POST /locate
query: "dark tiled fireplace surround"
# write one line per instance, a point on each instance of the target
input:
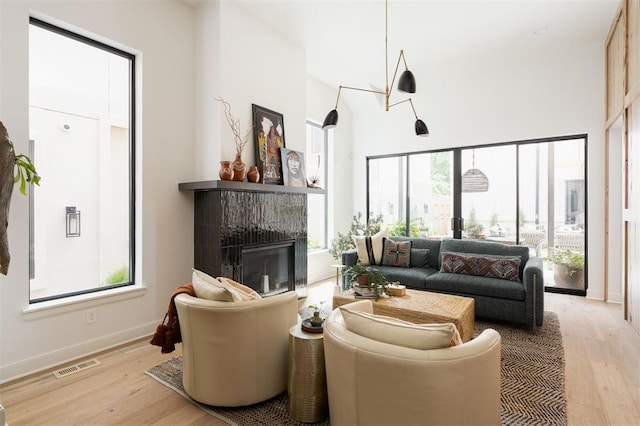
(255, 234)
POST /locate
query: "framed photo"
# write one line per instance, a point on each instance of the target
(268, 135)
(293, 172)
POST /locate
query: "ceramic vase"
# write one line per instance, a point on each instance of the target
(239, 169)
(316, 320)
(226, 172)
(253, 175)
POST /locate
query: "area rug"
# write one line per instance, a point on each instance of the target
(532, 381)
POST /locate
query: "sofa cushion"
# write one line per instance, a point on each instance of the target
(370, 247)
(396, 253)
(425, 243)
(491, 266)
(402, 333)
(419, 258)
(410, 277)
(487, 247)
(471, 285)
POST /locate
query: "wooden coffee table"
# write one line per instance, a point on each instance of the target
(422, 307)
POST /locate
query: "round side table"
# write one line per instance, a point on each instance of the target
(307, 384)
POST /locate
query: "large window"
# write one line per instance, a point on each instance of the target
(316, 167)
(81, 98)
(532, 193)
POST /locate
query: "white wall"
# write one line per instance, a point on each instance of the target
(32, 341)
(186, 57)
(512, 96)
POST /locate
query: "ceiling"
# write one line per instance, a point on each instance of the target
(344, 39)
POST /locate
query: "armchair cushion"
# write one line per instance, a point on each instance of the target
(221, 289)
(401, 333)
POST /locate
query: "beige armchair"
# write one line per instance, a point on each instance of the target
(235, 353)
(375, 383)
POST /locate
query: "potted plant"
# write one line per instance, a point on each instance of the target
(568, 267)
(316, 320)
(366, 280)
(25, 172)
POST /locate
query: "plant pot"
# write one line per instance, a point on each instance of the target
(563, 277)
(315, 320)
(363, 280)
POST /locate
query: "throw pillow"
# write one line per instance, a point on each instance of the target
(396, 253)
(246, 293)
(207, 287)
(221, 289)
(370, 247)
(401, 333)
(492, 266)
(419, 258)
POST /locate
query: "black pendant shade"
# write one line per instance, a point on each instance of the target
(330, 120)
(421, 128)
(407, 82)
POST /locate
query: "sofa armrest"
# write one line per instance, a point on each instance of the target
(533, 281)
(350, 257)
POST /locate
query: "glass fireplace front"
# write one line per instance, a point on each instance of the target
(269, 268)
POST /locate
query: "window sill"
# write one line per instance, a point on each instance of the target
(71, 304)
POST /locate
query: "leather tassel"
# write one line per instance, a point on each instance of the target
(168, 345)
(158, 337)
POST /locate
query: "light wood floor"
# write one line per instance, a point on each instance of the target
(602, 377)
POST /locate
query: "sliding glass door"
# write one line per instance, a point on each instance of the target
(531, 193)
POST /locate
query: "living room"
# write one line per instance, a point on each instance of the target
(192, 52)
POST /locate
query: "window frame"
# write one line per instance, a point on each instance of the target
(325, 170)
(131, 58)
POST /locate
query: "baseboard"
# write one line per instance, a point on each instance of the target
(68, 354)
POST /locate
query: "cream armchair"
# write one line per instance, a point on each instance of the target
(375, 383)
(235, 353)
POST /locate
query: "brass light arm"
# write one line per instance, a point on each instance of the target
(401, 56)
(358, 89)
(406, 100)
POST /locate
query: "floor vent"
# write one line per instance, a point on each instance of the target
(64, 372)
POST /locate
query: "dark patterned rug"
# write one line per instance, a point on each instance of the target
(532, 381)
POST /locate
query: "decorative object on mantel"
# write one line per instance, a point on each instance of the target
(253, 175)
(293, 173)
(239, 167)
(268, 135)
(226, 171)
(25, 173)
(406, 83)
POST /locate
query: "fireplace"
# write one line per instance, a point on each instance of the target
(245, 231)
(269, 268)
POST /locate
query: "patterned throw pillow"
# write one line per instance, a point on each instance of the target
(370, 247)
(502, 267)
(396, 253)
(419, 258)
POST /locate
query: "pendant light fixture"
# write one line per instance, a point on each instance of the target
(473, 180)
(406, 83)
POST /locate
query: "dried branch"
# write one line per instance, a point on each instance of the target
(235, 127)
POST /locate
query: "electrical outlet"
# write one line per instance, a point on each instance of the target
(91, 315)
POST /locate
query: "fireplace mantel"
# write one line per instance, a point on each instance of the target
(212, 185)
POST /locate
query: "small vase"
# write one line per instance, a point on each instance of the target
(239, 169)
(226, 172)
(315, 320)
(253, 175)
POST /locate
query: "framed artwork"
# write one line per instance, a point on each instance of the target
(268, 135)
(293, 172)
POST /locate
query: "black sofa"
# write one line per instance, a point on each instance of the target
(519, 302)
